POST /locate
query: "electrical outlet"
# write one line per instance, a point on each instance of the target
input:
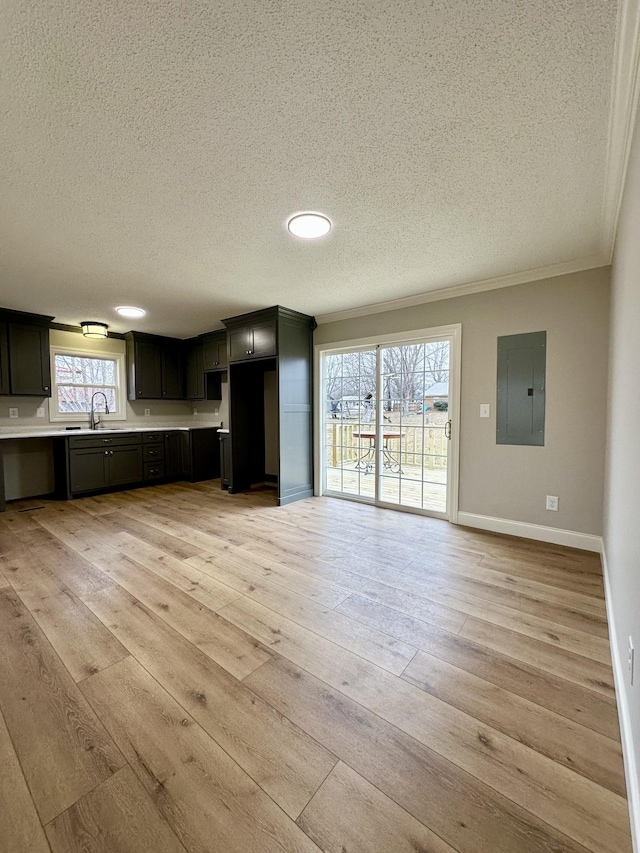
(552, 503)
(632, 660)
(216, 411)
(13, 413)
(195, 410)
(40, 412)
(485, 410)
(147, 412)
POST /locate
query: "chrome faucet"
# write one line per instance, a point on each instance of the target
(93, 423)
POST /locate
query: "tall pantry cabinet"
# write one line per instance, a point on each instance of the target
(270, 401)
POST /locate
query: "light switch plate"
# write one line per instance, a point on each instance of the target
(13, 413)
(40, 412)
(485, 410)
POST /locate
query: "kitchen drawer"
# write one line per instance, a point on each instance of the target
(78, 441)
(153, 437)
(153, 471)
(153, 452)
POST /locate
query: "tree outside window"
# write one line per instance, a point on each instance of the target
(78, 376)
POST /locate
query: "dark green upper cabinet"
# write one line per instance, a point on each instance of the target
(194, 374)
(154, 367)
(215, 351)
(172, 370)
(206, 361)
(252, 336)
(146, 371)
(25, 364)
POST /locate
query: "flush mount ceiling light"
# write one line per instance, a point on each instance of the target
(309, 225)
(130, 311)
(91, 329)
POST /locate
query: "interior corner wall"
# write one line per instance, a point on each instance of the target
(508, 481)
(622, 478)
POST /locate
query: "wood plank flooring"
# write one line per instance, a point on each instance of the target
(186, 670)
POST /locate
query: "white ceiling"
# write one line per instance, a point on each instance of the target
(152, 151)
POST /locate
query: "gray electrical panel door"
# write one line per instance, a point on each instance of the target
(521, 388)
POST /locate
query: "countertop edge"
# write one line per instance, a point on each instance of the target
(62, 433)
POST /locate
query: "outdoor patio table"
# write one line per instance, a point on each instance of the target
(365, 461)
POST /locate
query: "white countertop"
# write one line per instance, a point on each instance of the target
(55, 432)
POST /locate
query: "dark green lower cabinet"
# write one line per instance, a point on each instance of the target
(173, 442)
(125, 465)
(201, 460)
(225, 461)
(91, 468)
(88, 469)
(102, 461)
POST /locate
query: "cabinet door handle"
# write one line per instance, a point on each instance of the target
(45, 388)
(106, 453)
(111, 452)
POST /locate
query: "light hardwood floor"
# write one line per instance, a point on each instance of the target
(187, 670)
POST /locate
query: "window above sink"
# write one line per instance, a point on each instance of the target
(77, 375)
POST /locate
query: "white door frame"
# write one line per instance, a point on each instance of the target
(454, 332)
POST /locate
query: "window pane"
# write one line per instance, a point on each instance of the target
(84, 370)
(74, 399)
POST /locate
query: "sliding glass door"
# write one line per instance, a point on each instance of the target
(413, 395)
(387, 423)
(350, 423)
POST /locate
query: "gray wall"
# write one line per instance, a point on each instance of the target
(622, 487)
(507, 481)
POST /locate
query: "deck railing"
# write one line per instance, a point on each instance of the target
(420, 445)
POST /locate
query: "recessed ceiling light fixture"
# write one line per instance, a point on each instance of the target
(91, 329)
(130, 311)
(309, 225)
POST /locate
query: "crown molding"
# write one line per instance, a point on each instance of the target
(523, 277)
(625, 87)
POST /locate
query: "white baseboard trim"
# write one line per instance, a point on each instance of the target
(555, 535)
(619, 677)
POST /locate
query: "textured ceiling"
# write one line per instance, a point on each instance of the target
(152, 151)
